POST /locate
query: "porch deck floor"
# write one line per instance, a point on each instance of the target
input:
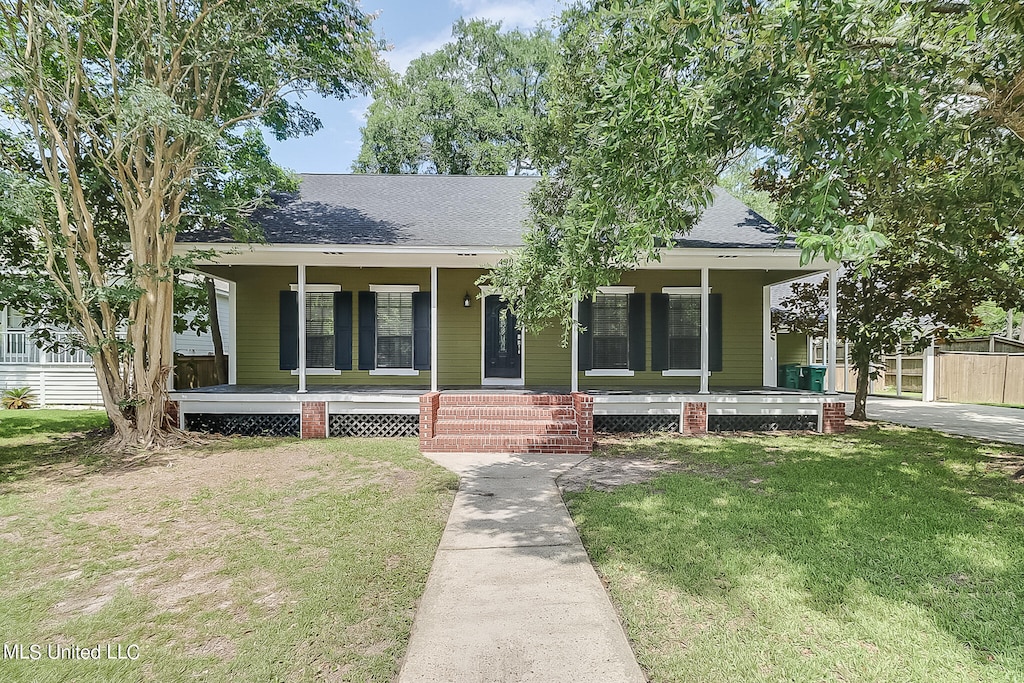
(397, 390)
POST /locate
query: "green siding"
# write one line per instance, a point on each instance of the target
(742, 300)
(257, 324)
(548, 363)
(792, 348)
(459, 329)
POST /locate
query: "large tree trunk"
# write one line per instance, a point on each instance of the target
(860, 400)
(219, 369)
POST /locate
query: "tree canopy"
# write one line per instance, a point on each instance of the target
(128, 119)
(469, 108)
(875, 124)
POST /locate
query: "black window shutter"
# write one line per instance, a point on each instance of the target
(343, 330)
(637, 332)
(715, 333)
(586, 340)
(288, 335)
(659, 331)
(421, 330)
(367, 330)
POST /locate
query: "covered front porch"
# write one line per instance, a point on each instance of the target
(346, 410)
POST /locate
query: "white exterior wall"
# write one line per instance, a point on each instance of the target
(70, 384)
(60, 385)
(193, 344)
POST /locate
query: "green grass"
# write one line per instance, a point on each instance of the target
(273, 560)
(42, 422)
(880, 555)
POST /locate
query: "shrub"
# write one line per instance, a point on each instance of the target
(18, 398)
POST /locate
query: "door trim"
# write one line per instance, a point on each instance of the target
(498, 381)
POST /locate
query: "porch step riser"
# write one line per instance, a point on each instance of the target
(506, 423)
(520, 400)
(506, 413)
(502, 427)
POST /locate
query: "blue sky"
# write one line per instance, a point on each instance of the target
(412, 28)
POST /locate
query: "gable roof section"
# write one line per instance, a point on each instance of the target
(450, 211)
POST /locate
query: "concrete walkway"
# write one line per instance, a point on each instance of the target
(512, 595)
(983, 422)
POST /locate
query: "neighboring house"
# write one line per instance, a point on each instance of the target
(386, 270)
(56, 378)
(67, 377)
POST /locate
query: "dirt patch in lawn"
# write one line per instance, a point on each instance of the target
(161, 514)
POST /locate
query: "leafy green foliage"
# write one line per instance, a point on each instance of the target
(18, 398)
(874, 124)
(134, 121)
(470, 108)
(899, 300)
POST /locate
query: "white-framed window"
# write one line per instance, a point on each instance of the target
(394, 330)
(320, 333)
(320, 330)
(684, 331)
(394, 348)
(610, 331)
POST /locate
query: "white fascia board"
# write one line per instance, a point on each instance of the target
(481, 257)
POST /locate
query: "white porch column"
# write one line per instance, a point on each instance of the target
(433, 328)
(899, 370)
(302, 328)
(769, 374)
(574, 381)
(928, 381)
(705, 330)
(846, 365)
(232, 332)
(832, 324)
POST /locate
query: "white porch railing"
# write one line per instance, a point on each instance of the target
(17, 347)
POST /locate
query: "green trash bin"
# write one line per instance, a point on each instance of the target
(789, 375)
(812, 378)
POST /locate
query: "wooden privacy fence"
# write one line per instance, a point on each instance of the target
(192, 372)
(980, 377)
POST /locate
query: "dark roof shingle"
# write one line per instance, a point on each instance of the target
(449, 211)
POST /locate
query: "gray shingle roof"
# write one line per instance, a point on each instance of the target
(457, 211)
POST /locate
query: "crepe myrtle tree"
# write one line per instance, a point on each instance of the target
(130, 111)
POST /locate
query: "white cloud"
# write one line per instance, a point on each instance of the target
(400, 57)
(511, 14)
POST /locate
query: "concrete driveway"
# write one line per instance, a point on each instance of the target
(983, 422)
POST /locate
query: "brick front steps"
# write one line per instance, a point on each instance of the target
(506, 423)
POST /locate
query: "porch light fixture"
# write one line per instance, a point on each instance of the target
(467, 301)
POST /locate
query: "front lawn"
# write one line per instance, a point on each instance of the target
(886, 554)
(252, 560)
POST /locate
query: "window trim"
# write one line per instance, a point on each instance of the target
(318, 289)
(395, 289)
(688, 372)
(617, 372)
(682, 290)
(612, 372)
(393, 372)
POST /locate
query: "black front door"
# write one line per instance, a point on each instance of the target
(502, 340)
